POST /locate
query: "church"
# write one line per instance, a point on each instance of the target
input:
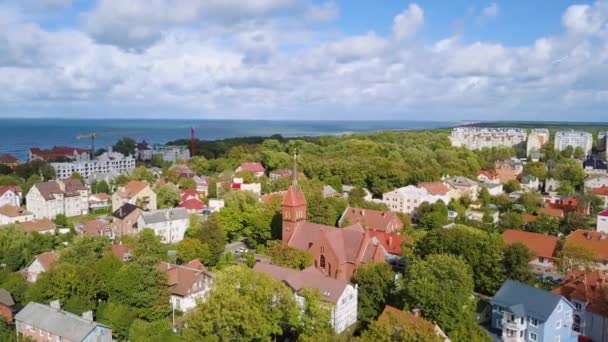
(337, 252)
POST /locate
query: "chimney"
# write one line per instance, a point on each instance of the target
(88, 315)
(390, 240)
(56, 305)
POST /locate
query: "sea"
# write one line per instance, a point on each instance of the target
(18, 135)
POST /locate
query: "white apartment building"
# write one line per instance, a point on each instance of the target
(582, 139)
(170, 153)
(602, 139)
(476, 138)
(169, 224)
(536, 139)
(109, 162)
(407, 199)
(189, 284)
(10, 195)
(48, 199)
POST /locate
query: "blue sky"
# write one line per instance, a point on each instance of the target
(315, 59)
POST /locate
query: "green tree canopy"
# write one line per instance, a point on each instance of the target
(376, 284)
(516, 263)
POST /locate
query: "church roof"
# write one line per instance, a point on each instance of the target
(294, 197)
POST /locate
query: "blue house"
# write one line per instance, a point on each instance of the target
(526, 314)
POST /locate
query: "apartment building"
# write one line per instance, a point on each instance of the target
(536, 139)
(581, 139)
(109, 162)
(60, 153)
(477, 138)
(48, 199)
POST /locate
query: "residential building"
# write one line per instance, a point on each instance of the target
(551, 212)
(587, 290)
(371, 219)
(107, 177)
(480, 216)
(602, 193)
(602, 222)
(594, 241)
(143, 151)
(168, 153)
(477, 138)
(10, 214)
(9, 160)
(552, 185)
(575, 139)
(602, 141)
(125, 218)
(526, 313)
(169, 224)
(7, 306)
(392, 242)
(594, 166)
(438, 190)
(42, 226)
(138, 193)
(122, 252)
(192, 201)
(188, 283)
(508, 170)
(596, 181)
(462, 187)
(238, 184)
(339, 294)
(107, 162)
(408, 199)
(346, 189)
(278, 174)
(44, 323)
(543, 247)
(329, 191)
(486, 176)
(530, 183)
(202, 184)
(216, 204)
(536, 140)
(493, 188)
(42, 263)
(97, 227)
(48, 199)
(99, 201)
(60, 153)
(10, 195)
(256, 168)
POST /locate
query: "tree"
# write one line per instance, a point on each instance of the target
(569, 170)
(141, 173)
(485, 197)
(121, 180)
(511, 220)
(516, 262)
(192, 249)
(186, 183)
(536, 169)
(531, 201)
(61, 220)
(157, 331)
(432, 216)
(167, 196)
(512, 186)
(375, 283)
(315, 321)
(76, 175)
(243, 305)
(400, 326)
(287, 256)
(573, 221)
(147, 244)
(117, 316)
(543, 224)
(574, 256)
(567, 152)
(441, 286)
(126, 146)
(579, 153)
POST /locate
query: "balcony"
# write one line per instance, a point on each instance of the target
(515, 325)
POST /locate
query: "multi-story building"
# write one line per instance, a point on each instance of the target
(408, 199)
(462, 187)
(11, 214)
(188, 283)
(138, 193)
(596, 242)
(48, 199)
(256, 168)
(508, 170)
(60, 153)
(124, 219)
(602, 141)
(586, 290)
(536, 139)
(44, 323)
(341, 295)
(169, 153)
(169, 224)
(602, 222)
(109, 162)
(10, 195)
(477, 138)
(371, 219)
(9, 160)
(543, 247)
(581, 139)
(528, 314)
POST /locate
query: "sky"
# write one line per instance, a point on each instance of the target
(305, 59)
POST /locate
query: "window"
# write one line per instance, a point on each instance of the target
(533, 322)
(576, 326)
(532, 337)
(541, 260)
(578, 306)
(559, 307)
(322, 262)
(558, 324)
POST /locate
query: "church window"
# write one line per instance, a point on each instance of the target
(322, 262)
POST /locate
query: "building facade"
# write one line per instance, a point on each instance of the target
(169, 224)
(408, 199)
(10, 195)
(68, 197)
(167, 153)
(109, 162)
(543, 247)
(138, 193)
(60, 153)
(189, 283)
(581, 139)
(537, 138)
(477, 138)
(10, 214)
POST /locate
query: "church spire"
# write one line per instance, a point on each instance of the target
(294, 172)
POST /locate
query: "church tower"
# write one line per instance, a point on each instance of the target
(294, 205)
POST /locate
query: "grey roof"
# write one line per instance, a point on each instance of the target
(124, 211)
(58, 322)
(489, 185)
(164, 215)
(6, 298)
(525, 300)
(461, 181)
(48, 189)
(328, 190)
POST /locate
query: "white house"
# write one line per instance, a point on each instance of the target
(42, 263)
(188, 284)
(339, 295)
(169, 224)
(216, 204)
(530, 183)
(475, 215)
(105, 163)
(494, 189)
(462, 187)
(408, 199)
(602, 222)
(10, 195)
(48, 199)
(11, 214)
(596, 182)
(239, 184)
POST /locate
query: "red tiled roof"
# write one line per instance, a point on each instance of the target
(94, 227)
(541, 245)
(5, 188)
(47, 259)
(487, 173)
(587, 286)
(601, 191)
(101, 197)
(252, 167)
(190, 194)
(120, 251)
(192, 204)
(12, 211)
(57, 152)
(595, 241)
(181, 278)
(603, 213)
(41, 225)
(373, 219)
(527, 218)
(8, 159)
(294, 197)
(435, 188)
(551, 212)
(391, 242)
(132, 188)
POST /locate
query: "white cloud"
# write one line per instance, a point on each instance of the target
(490, 11)
(408, 22)
(587, 19)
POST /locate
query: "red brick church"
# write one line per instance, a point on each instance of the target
(337, 252)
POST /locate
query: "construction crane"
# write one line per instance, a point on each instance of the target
(91, 136)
